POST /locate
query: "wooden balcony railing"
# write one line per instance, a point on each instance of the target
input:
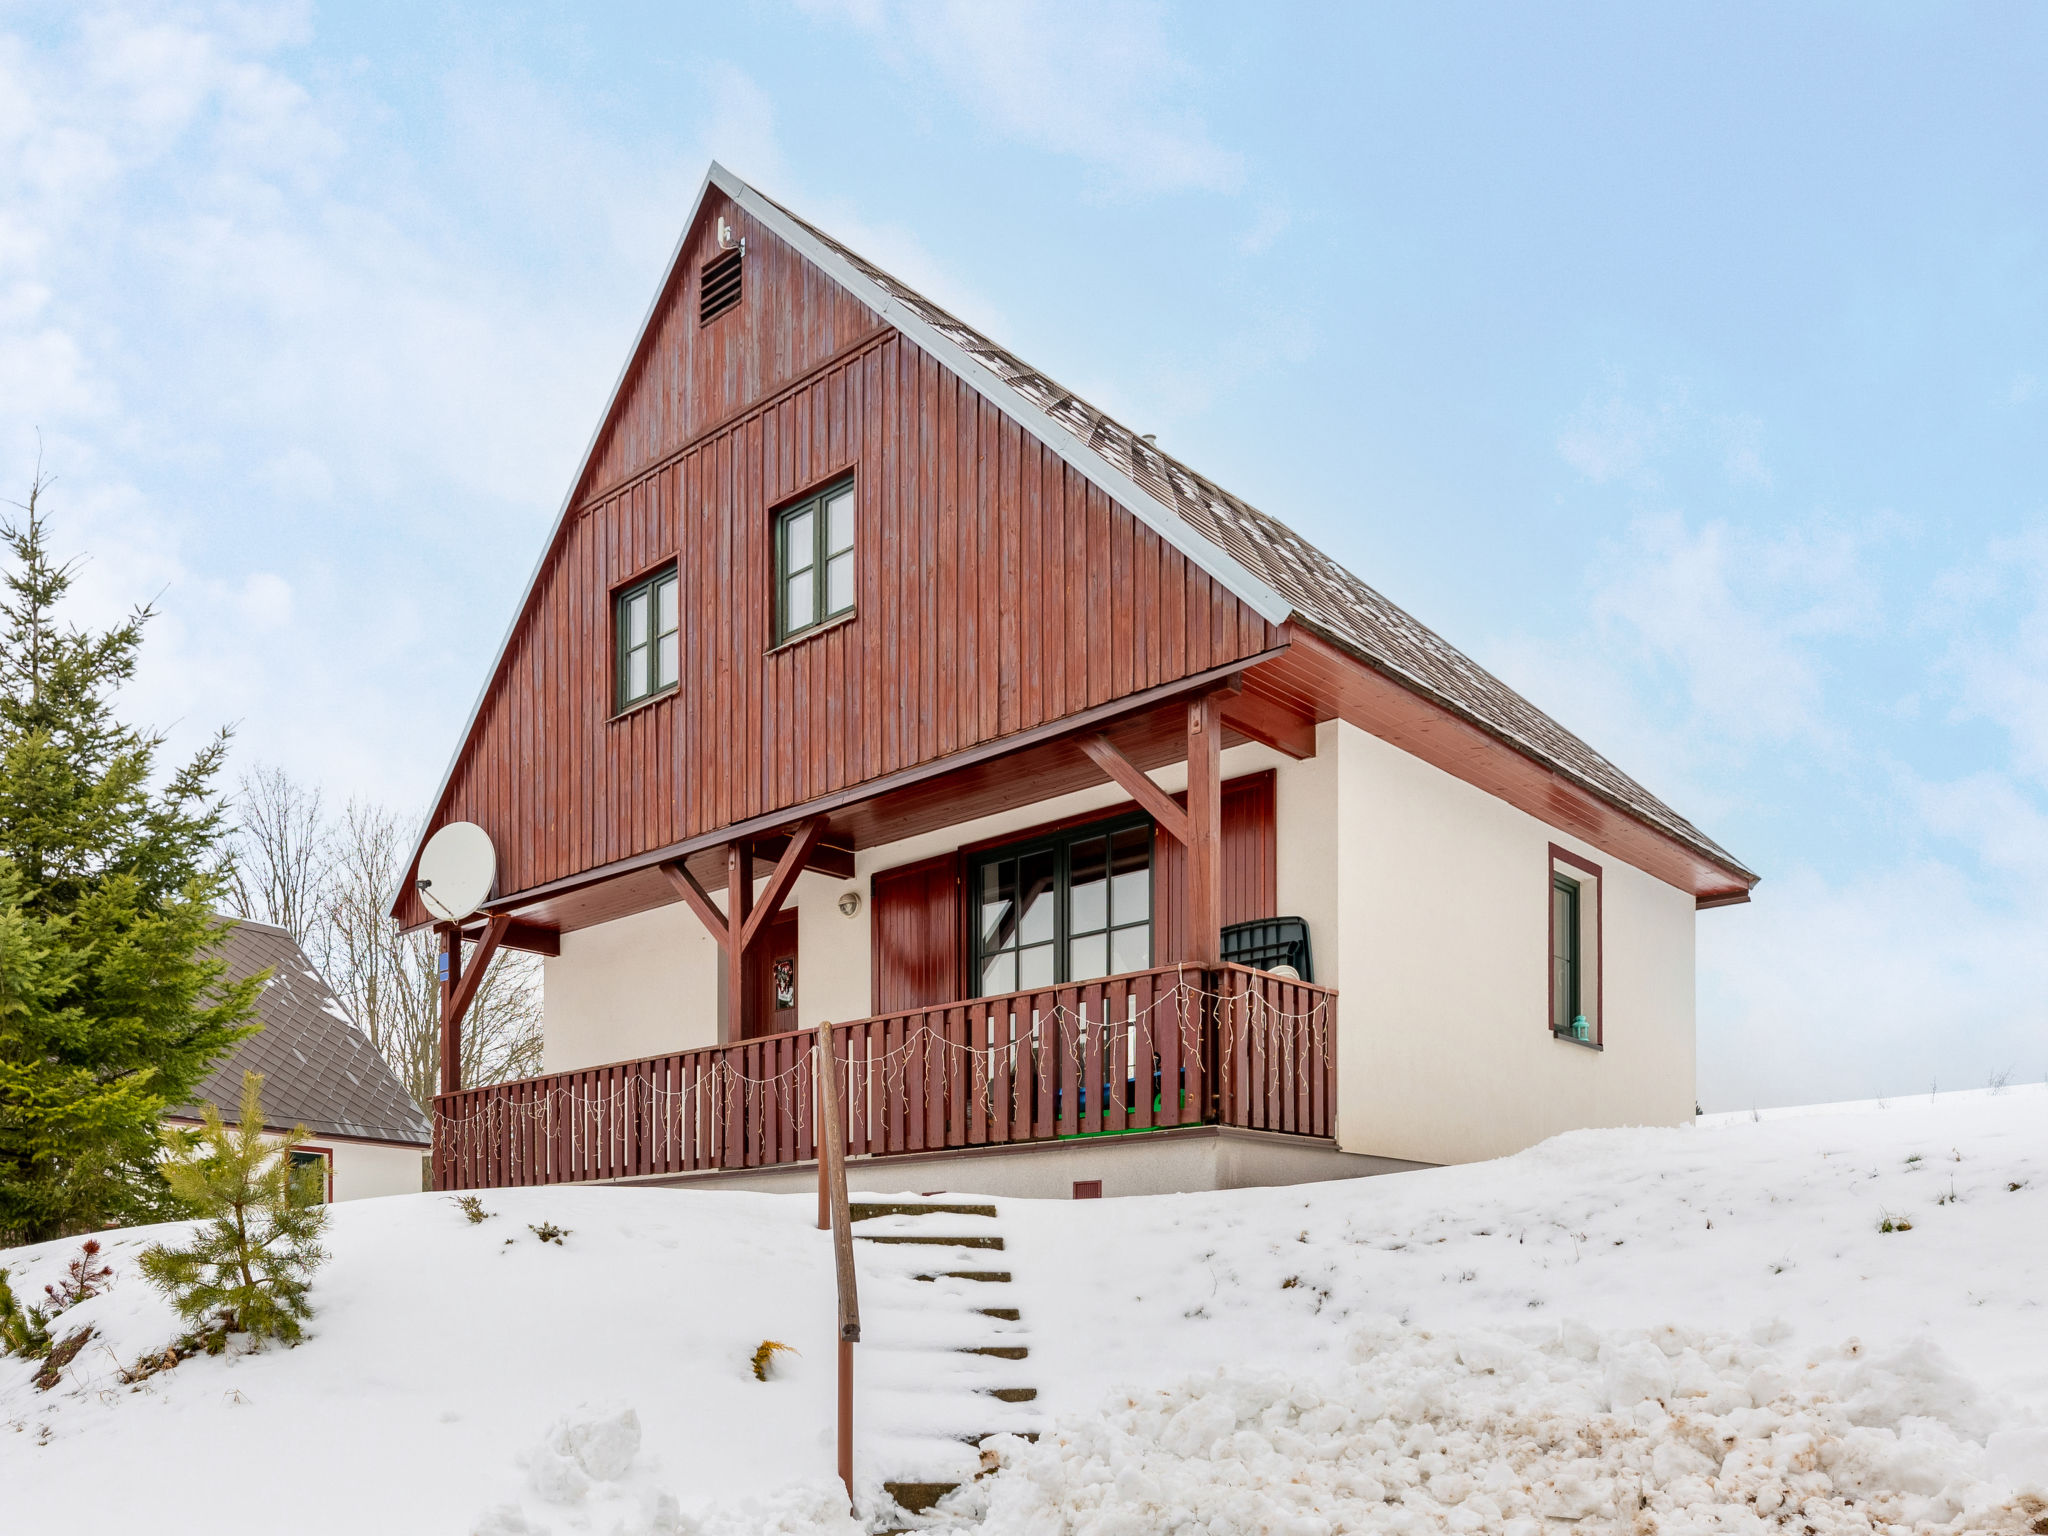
(1180, 1045)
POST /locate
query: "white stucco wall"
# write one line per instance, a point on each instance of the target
(1443, 913)
(638, 986)
(1428, 907)
(364, 1169)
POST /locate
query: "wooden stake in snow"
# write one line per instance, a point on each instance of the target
(832, 1204)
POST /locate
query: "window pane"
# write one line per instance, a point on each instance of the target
(797, 606)
(636, 672)
(999, 973)
(1035, 881)
(665, 661)
(1131, 876)
(799, 542)
(998, 903)
(840, 532)
(839, 584)
(1130, 949)
(666, 596)
(636, 619)
(1088, 901)
(1034, 967)
(1088, 957)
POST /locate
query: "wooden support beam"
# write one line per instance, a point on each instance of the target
(451, 1022)
(742, 996)
(459, 990)
(699, 899)
(1264, 718)
(825, 859)
(792, 863)
(1153, 800)
(1204, 839)
(534, 938)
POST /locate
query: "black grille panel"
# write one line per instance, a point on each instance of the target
(719, 287)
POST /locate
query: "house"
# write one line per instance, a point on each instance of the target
(1130, 842)
(319, 1071)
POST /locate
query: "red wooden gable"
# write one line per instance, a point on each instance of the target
(998, 590)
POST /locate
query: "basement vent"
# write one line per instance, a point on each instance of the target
(719, 287)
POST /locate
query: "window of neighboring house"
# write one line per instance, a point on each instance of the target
(645, 620)
(1066, 908)
(1574, 948)
(316, 1167)
(814, 561)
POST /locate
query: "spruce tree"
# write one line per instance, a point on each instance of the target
(112, 1002)
(249, 1268)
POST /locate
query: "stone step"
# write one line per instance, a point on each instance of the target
(867, 1210)
(995, 1276)
(935, 1242)
(916, 1498)
(1000, 1351)
(1013, 1394)
(1007, 1314)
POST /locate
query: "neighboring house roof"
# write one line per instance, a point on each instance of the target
(319, 1070)
(1260, 559)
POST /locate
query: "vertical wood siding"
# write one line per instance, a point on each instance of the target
(997, 590)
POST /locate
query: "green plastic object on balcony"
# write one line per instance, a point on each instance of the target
(1581, 1030)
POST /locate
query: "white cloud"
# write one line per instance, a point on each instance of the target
(1096, 81)
(1272, 221)
(1615, 438)
(1997, 618)
(1620, 437)
(1883, 984)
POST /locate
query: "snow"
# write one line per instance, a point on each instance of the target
(1673, 1330)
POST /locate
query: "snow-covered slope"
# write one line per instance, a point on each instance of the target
(1564, 1336)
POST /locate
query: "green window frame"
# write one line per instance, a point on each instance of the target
(1069, 907)
(1565, 904)
(814, 569)
(645, 622)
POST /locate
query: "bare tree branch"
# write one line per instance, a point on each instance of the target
(281, 856)
(330, 880)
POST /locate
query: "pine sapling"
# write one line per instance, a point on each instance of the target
(82, 1277)
(249, 1268)
(23, 1331)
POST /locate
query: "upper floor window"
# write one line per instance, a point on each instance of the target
(1066, 908)
(814, 561)
(645, 622)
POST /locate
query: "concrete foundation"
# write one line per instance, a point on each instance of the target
(1196, 1157)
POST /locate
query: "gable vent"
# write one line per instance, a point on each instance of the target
(718, 288)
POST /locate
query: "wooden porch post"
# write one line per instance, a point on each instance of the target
(1205, 830)
(743, 999)
(451, 1021)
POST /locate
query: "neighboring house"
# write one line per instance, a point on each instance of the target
(976, 697)
(319, 1071)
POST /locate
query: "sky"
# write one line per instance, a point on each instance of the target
(1685, 365)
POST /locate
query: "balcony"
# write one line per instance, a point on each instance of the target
(1174, 1046)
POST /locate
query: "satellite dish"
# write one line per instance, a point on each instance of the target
(458, 867)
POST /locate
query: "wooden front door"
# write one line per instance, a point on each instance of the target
(773, 955)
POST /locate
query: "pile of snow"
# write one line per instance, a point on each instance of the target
(587, 1474)
(1672, 1432)
(1618, 1331)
